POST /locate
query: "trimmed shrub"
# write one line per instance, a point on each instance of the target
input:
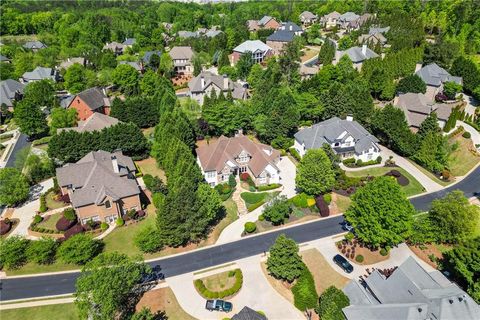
(76, 229)
(349, 162)
(383, 252)
(119, 222)
(200, 286)
(250, 227)
(261, 217)
(69, 214)
(331, 303)
(43, 203)
(304, 293)
(466, 135)
(63, 224)
(104, 226)
(349, 236)
(322, 206)
(5, 226)
(37, 219)
(154, 184)
(327, 197)
(244, 176)
(295, 154)
(359, 258)
(13, 252)
(300, 200)
(231, 181)
(252, 189)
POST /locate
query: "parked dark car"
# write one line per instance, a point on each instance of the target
(347, 226)
(218, 305)
(343, 263)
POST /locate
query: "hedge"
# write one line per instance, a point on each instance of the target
(43, 203)
(206, 293)
(41, 141)
(466, 135)
(250, 227)
(63, 224)
(295, 154)
(69, 214)
(304, 293)
(359, 258)
(327, 197)
(76, 229)
(269, 187)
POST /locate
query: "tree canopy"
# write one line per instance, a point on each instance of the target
(315, 173)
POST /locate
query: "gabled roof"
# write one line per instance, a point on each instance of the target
(307, 15)
(187, 34)
(65, 64)
(96, 122)
(8, 88)
(360, 21)
(434, 75)
(252, 46)
(417, 107)
(133, 64)
(348, 17)
(213, 33)
(281, 36)
(34, 45)
(93, 98)
(93, 178)
(129, 41)
(264, 20)
(40, 73)
(332, 15)
(409, 293)
(330, 131)
(195, 85)
(215, 156)
(375, 38)
(357, 54)
(181, 52)
(248, 314)
(290, 26)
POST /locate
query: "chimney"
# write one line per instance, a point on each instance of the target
(115, 164)
(349, 117)
(291, 27)
(364, 49)
(225, 82)
(202, 79)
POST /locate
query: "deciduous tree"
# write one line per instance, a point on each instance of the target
(13, 186)
(314, 172)
(284, 262)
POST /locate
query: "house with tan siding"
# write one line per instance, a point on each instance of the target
(101, 186)
(234, 156)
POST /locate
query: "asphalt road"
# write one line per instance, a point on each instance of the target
(30, 287)
(21, 143)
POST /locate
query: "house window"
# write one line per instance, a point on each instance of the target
(242, 169)
(243, 159)
(347, 144)
(211, 174)
(108, 205)
(369, 156)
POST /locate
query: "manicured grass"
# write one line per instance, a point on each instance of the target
(463, 159)
(309, 53)
(49, 222)
(219, 282)
(255, 199)
(413, 188)
(163, 300)
(52, 203)
(5, 137)
(342, 202)
(31, 268)
(66, 311)
(149, 166)
(324, 275)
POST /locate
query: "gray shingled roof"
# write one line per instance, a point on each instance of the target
(93, 97)
(348, 17)
(7, 91)
(307, 15)
(129, 41)
(374, 30)
(252, 46)
(148, 54)
(187, 34)
(181, 52)
(434, 75)
(248, 314)
(34, 45)
(264, 20)
(409, 293)
(281, 36)
(329, 131)
(417, 107)
(356, 54)
(290, 26)
(195, 85)
(96, 122)
(40, 73)
(94, 179)
(134, 64)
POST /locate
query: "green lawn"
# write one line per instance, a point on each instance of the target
(5, 137)
(51, 222)
(413, 188)
(149, 166)
(66, 311)
(31, 268)
(462, 160)
(343, 202)
(255, 199)
(430, 174)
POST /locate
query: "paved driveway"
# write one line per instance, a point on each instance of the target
(288, 172)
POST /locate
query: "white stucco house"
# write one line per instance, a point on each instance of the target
(346, 137)
(234, 156)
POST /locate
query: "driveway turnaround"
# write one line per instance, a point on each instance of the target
(55, 284)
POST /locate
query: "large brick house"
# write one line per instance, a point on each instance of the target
(89, 101)
(101, 186)
(226, 156)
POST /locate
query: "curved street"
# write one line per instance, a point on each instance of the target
(57, 284)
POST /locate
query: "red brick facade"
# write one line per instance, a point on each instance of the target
(83, 111)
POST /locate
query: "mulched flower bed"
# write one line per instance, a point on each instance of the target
(401, 179)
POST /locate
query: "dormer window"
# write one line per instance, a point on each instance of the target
(108, 205)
